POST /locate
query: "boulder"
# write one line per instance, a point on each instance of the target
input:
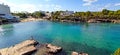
(115, 21)
(53, 49)
(83, 54)
(76, 53)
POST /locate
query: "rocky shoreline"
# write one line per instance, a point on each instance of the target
(23, 48)
(93, 21)
(103, 21)
(32, 47)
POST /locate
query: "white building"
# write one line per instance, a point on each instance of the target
(67, 13)
(48, 14)
(5, 12)
(43, 12)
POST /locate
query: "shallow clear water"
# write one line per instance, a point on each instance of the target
(94, 38)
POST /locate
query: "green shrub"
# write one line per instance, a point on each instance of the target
(117, 52)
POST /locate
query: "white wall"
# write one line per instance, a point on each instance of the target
(4, 9)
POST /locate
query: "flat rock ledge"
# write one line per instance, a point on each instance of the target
(76, 53)
(29, 47)
(48, 49)
(53, 49)
(24, 48)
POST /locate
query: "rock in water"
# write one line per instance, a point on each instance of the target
(48, 49)
(83, 54)
(76, 53)
(23, 48)
(53, 49)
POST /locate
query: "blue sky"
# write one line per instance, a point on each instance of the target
(53, 5)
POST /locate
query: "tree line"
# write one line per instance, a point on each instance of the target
(104, 14)
(36, 14)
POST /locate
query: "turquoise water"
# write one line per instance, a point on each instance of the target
(94, 38)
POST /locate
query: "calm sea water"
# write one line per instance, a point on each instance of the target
(94, 38)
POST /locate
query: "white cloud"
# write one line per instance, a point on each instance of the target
(25, 7)
(100, 8)
(117, 4)
(106, 6)
(31, 7)
(57, 7)
(47, 0)
(2, 1)
(89, 2)
(52, 7)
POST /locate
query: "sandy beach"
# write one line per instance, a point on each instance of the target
(31, 19)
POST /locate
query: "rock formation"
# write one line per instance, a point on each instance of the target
(76, 53)
(48, 49)
(29, 47)
(99, 21)
(53, 49)
(24, 48)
